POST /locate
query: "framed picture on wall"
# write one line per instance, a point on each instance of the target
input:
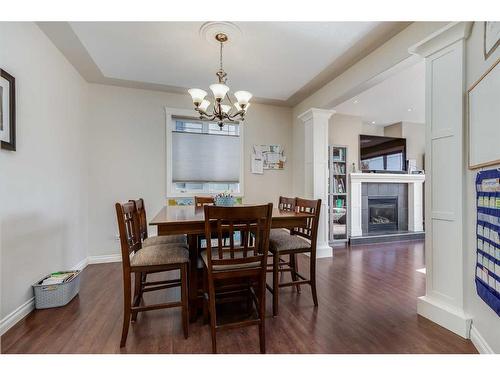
(7, 111)
(491, 37)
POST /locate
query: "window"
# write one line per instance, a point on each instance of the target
(203, 158)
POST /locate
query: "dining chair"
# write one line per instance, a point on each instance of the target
(301, 240)
(139, 260)
(202, 201)
(143, 228)
(247, 262)
(287, 204)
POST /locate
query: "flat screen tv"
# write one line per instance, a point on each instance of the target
(379, 154)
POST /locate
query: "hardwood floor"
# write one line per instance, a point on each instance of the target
(367, 304)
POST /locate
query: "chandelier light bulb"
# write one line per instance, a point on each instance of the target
(197, 95)
(225, 108)
(220, 90)
(204, 105)
(238, 106)
(243, 97)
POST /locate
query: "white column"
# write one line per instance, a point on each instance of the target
(415, 209)
(316, 169)
(356, 202)
(445, 244)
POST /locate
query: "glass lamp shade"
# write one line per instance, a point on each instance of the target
(225, 108)
(238, 106)
(243, 97)
(198, 95)
(204, 105)
(220, 90)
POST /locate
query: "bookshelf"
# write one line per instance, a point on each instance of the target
(337, 193)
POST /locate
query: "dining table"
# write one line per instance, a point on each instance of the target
(190, 220)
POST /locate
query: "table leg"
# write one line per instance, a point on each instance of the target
(193, 277)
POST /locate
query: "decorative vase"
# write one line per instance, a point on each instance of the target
(224, 201)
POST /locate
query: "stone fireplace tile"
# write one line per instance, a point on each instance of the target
(393, 189)
(364, 189)
(364, 202)
(383, 189)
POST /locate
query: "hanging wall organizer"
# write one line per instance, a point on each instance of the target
(488, 237)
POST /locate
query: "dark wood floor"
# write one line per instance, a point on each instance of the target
(367, 304)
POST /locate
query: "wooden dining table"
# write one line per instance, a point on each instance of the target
(190, 220)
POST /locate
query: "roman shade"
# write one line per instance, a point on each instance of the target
(198, 157)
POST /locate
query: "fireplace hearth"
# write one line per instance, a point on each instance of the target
(382, 214)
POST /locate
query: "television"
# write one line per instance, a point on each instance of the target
(382, 154)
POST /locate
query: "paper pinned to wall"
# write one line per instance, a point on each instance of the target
(267, 157)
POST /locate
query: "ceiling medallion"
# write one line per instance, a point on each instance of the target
(221, 109)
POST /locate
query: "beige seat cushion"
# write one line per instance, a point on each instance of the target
(160, 255)
(237, 254)
(282, 240)
(160, 240)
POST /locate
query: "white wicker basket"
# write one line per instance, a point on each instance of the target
(47, 296)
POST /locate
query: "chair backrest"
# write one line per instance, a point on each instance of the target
(254, 225)
(141, 216)
(310, 230)
(203, 201)
(286, 204)
(128, 226)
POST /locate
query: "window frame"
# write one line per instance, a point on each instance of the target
(169, 128)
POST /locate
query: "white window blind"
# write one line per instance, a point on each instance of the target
(199, 155)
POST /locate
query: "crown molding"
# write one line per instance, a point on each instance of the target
(442, 38)
(316, 114)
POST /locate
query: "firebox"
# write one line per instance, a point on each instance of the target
(382, 214)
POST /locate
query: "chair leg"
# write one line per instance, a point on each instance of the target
(205, 293)
(126, 308)
(276, 260)
(313, 279)
(184, 299)
(137, 293)
(295, 270)
(262, 315)
(213, 318)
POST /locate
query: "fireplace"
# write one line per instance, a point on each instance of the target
(382, 214)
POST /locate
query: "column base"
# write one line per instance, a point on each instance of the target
(324, 251)
(449, 317)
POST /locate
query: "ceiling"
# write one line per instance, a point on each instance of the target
(401, 97)
(276, 61)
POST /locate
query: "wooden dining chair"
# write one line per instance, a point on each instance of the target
(287, 204)
(300, 240)
(248, 262)
(139, 260)
(202, 201)
(143, 228)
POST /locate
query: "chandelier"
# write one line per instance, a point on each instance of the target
(222, 110)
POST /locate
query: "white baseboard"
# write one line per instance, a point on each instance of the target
(15, 316)
(10, 320)
(97, 259)
(446, 316)
(479, 341)
(325, 251)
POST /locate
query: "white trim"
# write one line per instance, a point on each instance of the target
(447, 316)
(15, 316)
(180, 112)
(442, 38)
(479, 341)
(387, 177)
(98, 259)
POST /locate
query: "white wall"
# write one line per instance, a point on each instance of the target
(484, 320)
(127, 128)
(43, 185)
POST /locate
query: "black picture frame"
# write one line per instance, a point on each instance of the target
(11, 144)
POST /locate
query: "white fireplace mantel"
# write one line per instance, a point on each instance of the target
(415, 198)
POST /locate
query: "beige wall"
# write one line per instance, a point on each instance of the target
(344, 130)
(483, 318)
(394, 130)
(127, 128)
(43, 185)
(414, 133)
(349, 84)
